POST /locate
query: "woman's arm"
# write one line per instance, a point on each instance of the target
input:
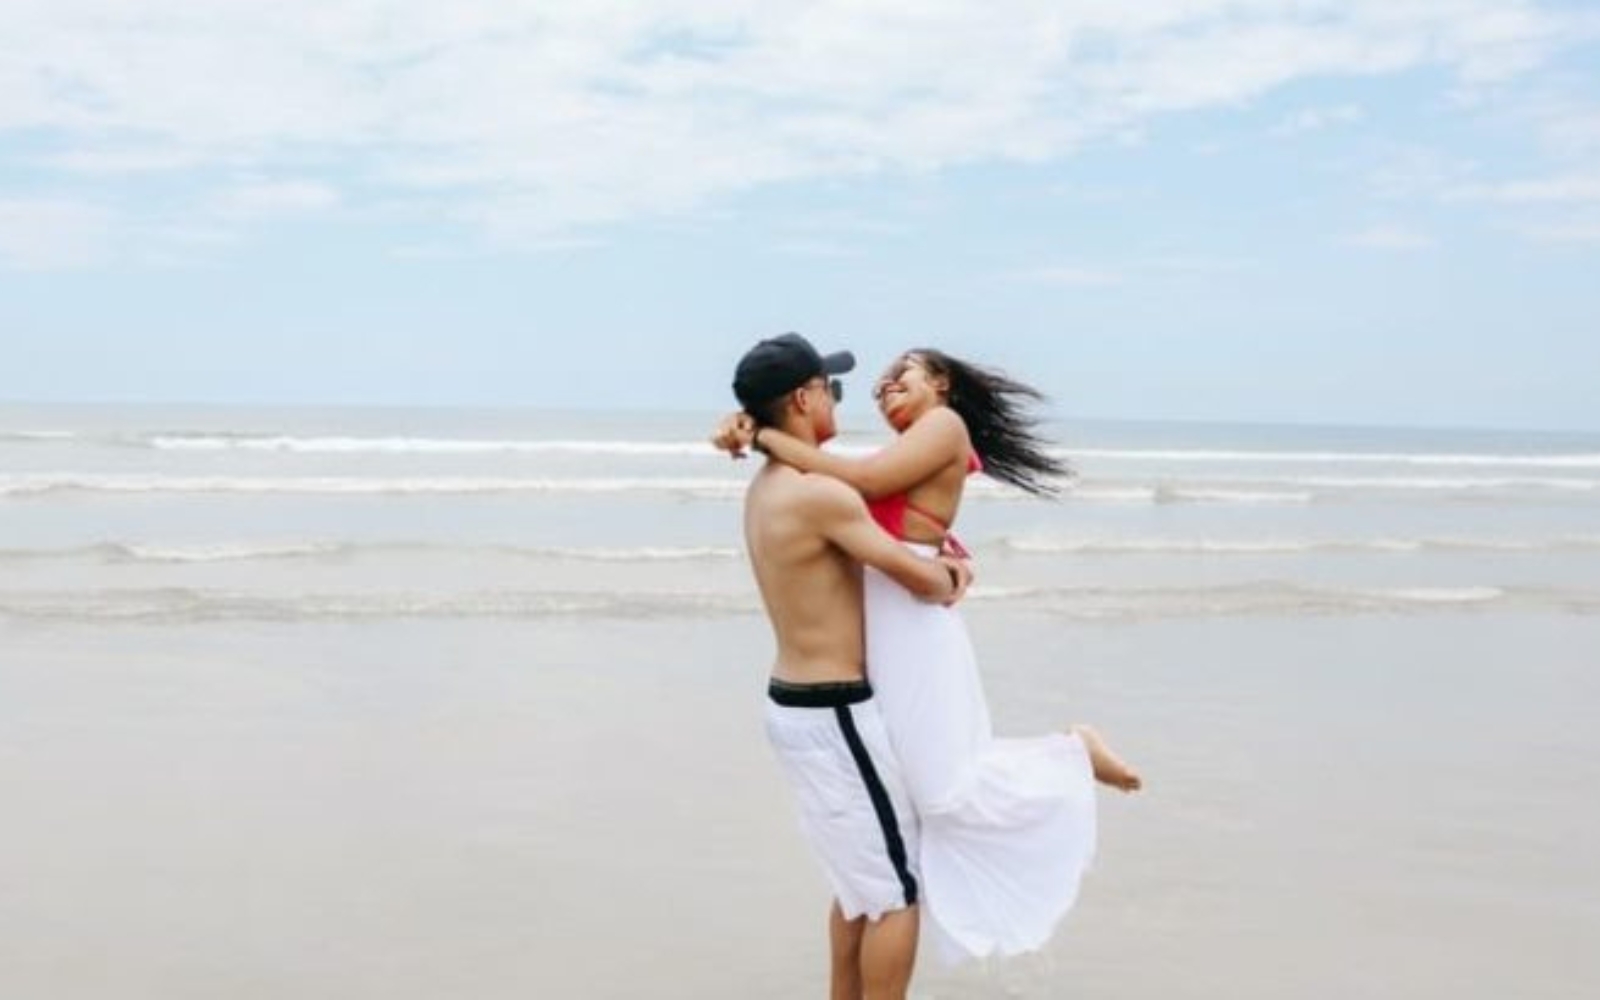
(926, 448)
(842, 516)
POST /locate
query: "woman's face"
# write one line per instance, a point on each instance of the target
(906, 390)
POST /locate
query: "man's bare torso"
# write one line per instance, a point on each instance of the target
(811, 587)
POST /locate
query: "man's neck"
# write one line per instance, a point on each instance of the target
(802, 430)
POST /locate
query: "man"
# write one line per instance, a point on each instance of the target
(807, 537)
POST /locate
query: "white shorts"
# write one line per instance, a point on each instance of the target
(854, 810)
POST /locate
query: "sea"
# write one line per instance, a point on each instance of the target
(188, 514)
(421, 703)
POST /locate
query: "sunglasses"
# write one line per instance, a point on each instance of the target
(835, 388)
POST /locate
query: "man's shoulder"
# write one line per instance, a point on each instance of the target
(787, 487)
(824, 491)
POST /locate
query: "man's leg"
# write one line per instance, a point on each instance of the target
(888, 951)
(844, 946)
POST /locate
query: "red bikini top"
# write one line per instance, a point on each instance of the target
(890, 513)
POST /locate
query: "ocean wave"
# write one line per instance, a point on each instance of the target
(1555, 460)
(184, 606)
(1168, 493)
(644, 553)
(1161, 493)
(1299, 490)
(40, 484)
(36, 437)
(1440, 595)
(313, 551)
(1283, 598)
(1453, 484)
(239, 552)
(1272, 598)
(401, 444)
(1039, 545)
(139, 553)
(334, 444)
(115, 552)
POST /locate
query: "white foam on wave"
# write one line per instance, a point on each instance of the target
(36, 484)
(1239, 492)
(1148, 546)
(37, 437)
(1441, 595)
(1447, 483)
(645, 553)
(181, 605)
(425, 446)
(1288, 598)
(235, 552)
(1290, 546)
(1167, 493)
(1564, 460)
(222, 552)
(398, 444)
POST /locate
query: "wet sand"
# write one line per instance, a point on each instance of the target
(1378, 806)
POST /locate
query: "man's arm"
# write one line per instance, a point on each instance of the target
(927, 447)
(931, 444)
(843, 519)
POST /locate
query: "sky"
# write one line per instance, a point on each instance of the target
(1377, 212)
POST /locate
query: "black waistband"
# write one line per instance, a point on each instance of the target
(826, 695)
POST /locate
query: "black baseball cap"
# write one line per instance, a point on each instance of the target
(779, 364)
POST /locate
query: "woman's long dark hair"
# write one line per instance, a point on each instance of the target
(1003, 431)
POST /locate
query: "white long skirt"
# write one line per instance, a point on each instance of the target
(1007, 825)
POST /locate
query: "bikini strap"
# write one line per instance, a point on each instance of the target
(927, 515)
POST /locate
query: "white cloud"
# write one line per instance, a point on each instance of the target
(822, 249)
(1543, 190)
(1198, 264)
(1572, 231)
(122, 160)
(1318, 119)
(1416, 173)
(41, 235)
(1389, 237)
(1147, 268)
(1067, 275)
(525, 119)
(269, 199)
(1572, 130)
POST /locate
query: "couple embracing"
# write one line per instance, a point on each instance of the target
(923, 821)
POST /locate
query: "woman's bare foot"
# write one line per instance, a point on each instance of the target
(1109, 769)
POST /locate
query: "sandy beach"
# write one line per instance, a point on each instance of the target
(589, 810)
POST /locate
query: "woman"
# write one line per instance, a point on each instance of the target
(1008, 826)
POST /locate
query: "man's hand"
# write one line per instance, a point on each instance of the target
(962, 575)
(734, 433)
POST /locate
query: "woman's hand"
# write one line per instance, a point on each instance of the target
(734, 434)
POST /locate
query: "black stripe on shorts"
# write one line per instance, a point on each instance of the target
(880, 803)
